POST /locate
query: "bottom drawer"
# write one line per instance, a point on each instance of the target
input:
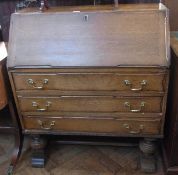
(94, 125)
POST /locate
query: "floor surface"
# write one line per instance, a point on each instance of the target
(76, 160)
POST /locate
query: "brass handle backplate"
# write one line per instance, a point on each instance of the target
(34, 84)
(142, 84)
(36, 105)
(140, 129)
(46, 124)
(142, 105)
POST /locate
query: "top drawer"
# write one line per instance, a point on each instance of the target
(90, 81)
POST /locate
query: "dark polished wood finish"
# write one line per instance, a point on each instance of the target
(171, 135)
(18, 137)
(88, 83)
(9, 123)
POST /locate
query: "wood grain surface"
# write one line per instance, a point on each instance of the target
(94, 41)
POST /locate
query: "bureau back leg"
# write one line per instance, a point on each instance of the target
(38, 144)
(147, 156)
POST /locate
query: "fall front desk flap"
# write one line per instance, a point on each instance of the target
(130, 35)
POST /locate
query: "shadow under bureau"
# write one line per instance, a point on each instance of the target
(95, 70)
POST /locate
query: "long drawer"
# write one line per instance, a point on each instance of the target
(91, 104)
(90, 81)
(93, 125)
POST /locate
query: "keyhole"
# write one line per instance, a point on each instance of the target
(86, 17)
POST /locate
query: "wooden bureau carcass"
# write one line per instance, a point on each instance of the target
(91, 70)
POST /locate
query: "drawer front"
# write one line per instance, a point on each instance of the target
(90, 82)
(91, 104)
(118, 126)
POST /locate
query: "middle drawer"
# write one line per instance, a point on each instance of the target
(91, 104)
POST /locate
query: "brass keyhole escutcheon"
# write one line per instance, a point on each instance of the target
(85, 17)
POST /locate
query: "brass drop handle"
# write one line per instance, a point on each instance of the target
(34, 84)
(46, 125)
(142, 105)
(142, 83)
(127, 126)
(36, 105)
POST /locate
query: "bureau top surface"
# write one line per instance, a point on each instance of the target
(90, 36)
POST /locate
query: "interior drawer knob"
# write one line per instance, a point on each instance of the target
(35, 84)
(128, 127)
(142, 84)
(46, 124)
(142, 105)
(37, 106)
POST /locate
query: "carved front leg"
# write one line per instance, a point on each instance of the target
(148, 158)
(38, 144)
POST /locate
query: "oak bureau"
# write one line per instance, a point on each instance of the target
(91, 70)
